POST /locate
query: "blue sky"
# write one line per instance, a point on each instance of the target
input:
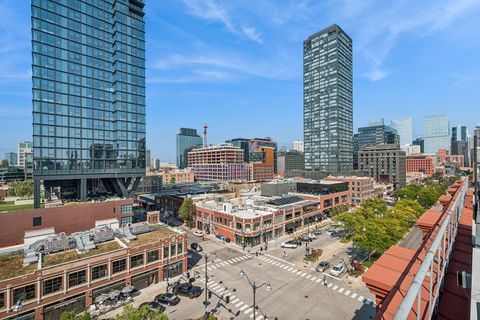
(237, 65)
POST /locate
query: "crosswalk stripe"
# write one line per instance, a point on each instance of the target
(347, 292)
(360, 298)
(341, 290)
(244, 307)
(286, 267)
(329, 285)
(303, 274)
(213, 286)
(354, 295)
(219, 289)
(313, 278)
(214, 267)
(239, 304)
(259, 317)
(308, 276)
(290, 269)
(249, 310)
(281, 265)
(318, 280)
(235, 300)
(335, 288)
(209, 268)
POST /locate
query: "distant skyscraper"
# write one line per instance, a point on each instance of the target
(420, 142)
(460, 144)
(23, 149)
(186, 140)
(404, 127)
(376, 122)
(148, 158)
(437, 133)
(11, 157)
(298, 146)
(373, 135)
(328, 101)
(88, 96)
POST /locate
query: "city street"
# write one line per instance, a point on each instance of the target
(293, 284)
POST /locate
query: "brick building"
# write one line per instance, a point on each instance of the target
(361, 188)
(421, 163)
(177, 176)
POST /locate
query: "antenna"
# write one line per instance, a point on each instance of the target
(205, 135)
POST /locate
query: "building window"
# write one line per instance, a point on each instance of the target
(99, 272)
(37, 221)
(52, 285)
(267, 223)
(180, 248)
(127, 220)
(136, 261)
(126, 209)
(152, 256)
(239, 226)
(173, 250)
(2, 300)
(119, 266)
(77, 278)
(24, 293)
(166, 252)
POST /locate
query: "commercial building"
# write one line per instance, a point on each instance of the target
(422, 163)
(263, 150)
(88, 97)
(461, 141)
(420, 142)
(187, 139)
(218, 163)
(437, 133)
(298, 146)
(260, 171)
(328, 101)
(361, 188)
(410, 149)
(385, 163)
(11, 157)
(148, 159)
(375, 134)
(290, 161)
(12, 173)
(177, 176)
(243, 144)
(404, 127)
(23, 149)
(75, 269)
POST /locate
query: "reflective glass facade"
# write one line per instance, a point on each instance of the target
(88, 88)
(327, 101)
(437, 133)
(404, 127)
(187, 139)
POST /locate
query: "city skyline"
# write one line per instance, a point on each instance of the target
(278, 37)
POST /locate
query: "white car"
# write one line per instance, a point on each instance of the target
(312, 236)
(198, 233)
(337, 270)
(289, 244)
(330, 232)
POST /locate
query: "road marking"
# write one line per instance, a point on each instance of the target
(275, 263)
(259, 317)
(281, 265)
(290, 269)
(335, 288)
(244, 307)
(347, 292)
(219, 289)
(303, 274)
(297, 272)
(313, 278)
(354, 295)
(239, 304)
(329, 285)
(249, 310)
(214, 267)
(318, 280)
(223, 264)
(213, 286)
(209, 268)
(292, 264)
(286, 267)
(235, 300)
(360, 298)
(341, 290)
(308, 276)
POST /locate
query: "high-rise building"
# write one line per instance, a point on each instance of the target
(410, 149)
(259, 151)
(187, 139)
(373, 135)
(23, 148)
(88, 96)
(148, 158)
(11, 157)
(460, 144)
(289, 161)
(328, 101)
(437, 133)
(404, 127)
(243, 144)
(298, 146)
(420, 142)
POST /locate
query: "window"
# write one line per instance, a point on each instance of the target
(173, 250)
(2, 300)
(52, 285)
(180, 248)
(37, 221)
(152, 256)
(239, 226)
(24, 293)
(166, 252)
(119, 266)
(99, 272)
(136, 261)
(77, 278)
(126, 209)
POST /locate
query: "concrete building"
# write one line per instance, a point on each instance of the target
(420, 142)
(218, 163)
(290, 161)
(177, 176)
(437, 133)
(243, 144)
(23, 149)
(155, 164)
(404, 127)
(328, 101)
(375, 134)
(88, 97)
(11, 157)
(148, 159)
(410, 149)
(187, 139)
(298, 146)
(385, 163)
(461, 141)
(361, 188)
(422, 163)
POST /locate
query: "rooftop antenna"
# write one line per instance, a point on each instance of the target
(205, 135)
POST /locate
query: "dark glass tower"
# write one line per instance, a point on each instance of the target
(327, 101)
(88, 96)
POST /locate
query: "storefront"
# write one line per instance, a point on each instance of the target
(55, 310)
(172, 270)
(107, 289)
(292, 227)
(144, 280)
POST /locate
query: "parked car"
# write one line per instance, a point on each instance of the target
(153, 305)
(298, 242)
(196, 247)
(312, 236)
(322, 266)
(317, 232)
(168, 299)
(289, 244)
(198, 233)
(187, 290)
(330, 232)
(337, 270)
(305, 238)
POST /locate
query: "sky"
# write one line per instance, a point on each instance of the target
(237, 65)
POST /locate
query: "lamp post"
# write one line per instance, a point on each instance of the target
(268, 288)
(198, 249)
(17, 307)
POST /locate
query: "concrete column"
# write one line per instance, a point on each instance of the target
(83, 189)
(65, 281)
(109, 268)
(39, 290)
(8, 298)
(36, 194)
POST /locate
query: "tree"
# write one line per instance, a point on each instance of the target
(20, 188)
(337, 210)
(72, 315)
(143, 313)
(187, 211)
(5, 163)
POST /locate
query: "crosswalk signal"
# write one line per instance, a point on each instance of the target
(227, 299)
(209, 294)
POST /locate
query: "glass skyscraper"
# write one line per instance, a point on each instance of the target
(186, 140)
(88, 96)
(437, 133)
(327, 101)
(372, 136)
(404, 127)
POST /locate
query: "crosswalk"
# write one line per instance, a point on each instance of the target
(220, 263)
(316, 279)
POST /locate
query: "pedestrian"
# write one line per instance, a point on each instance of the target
(324, 280)
(261, 249)
(256, 253)
(284, 254)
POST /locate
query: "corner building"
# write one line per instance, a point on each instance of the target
(88, 96)
(328, 101)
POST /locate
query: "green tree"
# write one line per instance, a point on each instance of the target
(338, 209)
(187, 211)
(5, 163)
(24, 188)
(144, 313)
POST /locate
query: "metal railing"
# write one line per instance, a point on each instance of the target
(439, 253)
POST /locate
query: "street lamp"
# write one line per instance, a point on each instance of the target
(17, 307)
(198, 249)
(268, 288)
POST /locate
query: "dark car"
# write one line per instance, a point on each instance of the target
(322, 266)
(298, 242)
(187, 290)
(306, 238)
(168, 299)
(153, 305)
(317, 232)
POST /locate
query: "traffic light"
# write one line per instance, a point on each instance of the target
(209, 294)
(227, 299)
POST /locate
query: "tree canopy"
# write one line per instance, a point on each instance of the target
(21, 188)
(5, 163)
(187, 211)
(129, 313)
